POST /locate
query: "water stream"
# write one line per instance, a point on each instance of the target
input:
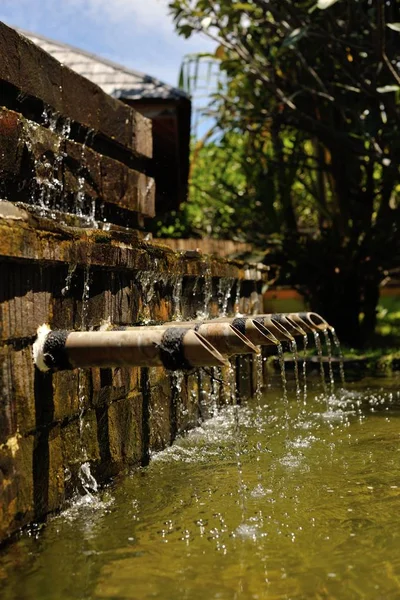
(318, 346)
(304, 368)
(329, 352)
(339, 350)
(326, 527)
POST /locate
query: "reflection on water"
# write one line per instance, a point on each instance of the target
(321, 517)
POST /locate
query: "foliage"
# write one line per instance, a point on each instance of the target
(313, 92)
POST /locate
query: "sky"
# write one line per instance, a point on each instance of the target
(135, 33)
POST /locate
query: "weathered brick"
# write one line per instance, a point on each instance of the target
(125, 430)
(16, 484)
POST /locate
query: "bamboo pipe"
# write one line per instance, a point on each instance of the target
(288, 323)
(223, 337)
(255, 331)
(277, 327)
(174, 348)
(254, 328)
(311, 320)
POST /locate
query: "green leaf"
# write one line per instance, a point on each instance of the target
(394, 26)
(323, 4)
(294, 36)
(388, 88)
(243, 6)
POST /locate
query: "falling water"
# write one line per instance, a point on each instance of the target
(339, 349)
(86, 478)
(237, 299)
(321, 364)
(329, 350)
(305, 342)
(179, 409)
(147, 281)
(237, 440)
(284, 387)
(224, 293)
(176, 298)
(205, 312)
(48, 186)
(80, 193)
(295, 354)
(259, 490)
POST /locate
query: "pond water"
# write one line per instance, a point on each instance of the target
(272, 500)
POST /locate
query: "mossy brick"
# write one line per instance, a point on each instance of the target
(160, 415)
(17, 402)
(40, 73)
(79, 440)
(56, 489)
(208, 389)
(16, 484)
(187, 408)
(109, 385)
(244, 383)
(71, 393)
(125, 430)
(10, 143)
(25, 299)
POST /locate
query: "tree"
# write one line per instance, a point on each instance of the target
(314, 92)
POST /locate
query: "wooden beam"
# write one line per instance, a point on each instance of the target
(39, 157)
(39, 75)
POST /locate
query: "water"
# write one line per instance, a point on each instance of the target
(318, 346)
(295, 354)
(339, 350)
(304, 369)
(325, 525)
(176, 298)
(330, 368)
(204, 313)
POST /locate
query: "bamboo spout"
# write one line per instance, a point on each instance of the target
(312, 320)
(223, 336)
(278, 328)
(174, 348)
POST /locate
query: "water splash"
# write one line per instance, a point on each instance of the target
(87, 480)
(340, 353)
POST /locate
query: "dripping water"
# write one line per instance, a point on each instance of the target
(180, 411)
(176, 298)
(321, 364)
(224, 293)
(237, 440)
(305, 342)
(259, 490)
(284, 387)
(147, 283)
(329, 351)
(237, 300)
(295, 354)
(85, 476)
(339, 351)
(80, 193)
